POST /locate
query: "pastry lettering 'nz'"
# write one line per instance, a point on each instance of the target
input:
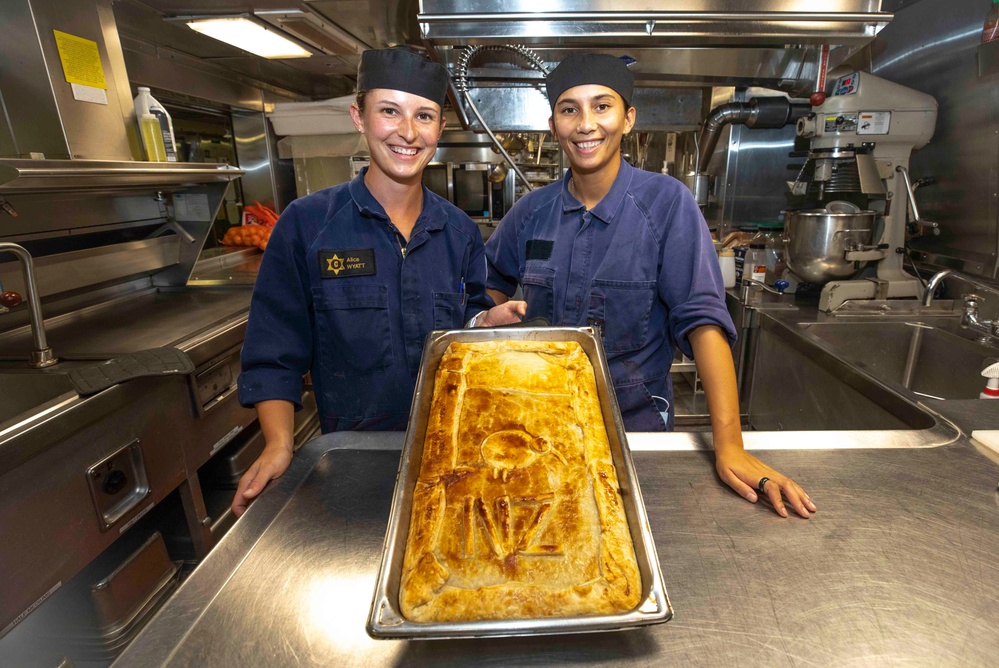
(516, 512)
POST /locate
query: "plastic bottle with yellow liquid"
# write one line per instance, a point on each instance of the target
(145, 103)
(152, 139)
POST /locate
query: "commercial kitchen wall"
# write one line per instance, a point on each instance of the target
(930, 46)
(267, 179)
(935, 47)
(749, 168)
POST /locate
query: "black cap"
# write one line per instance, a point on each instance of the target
(580, 69)
(399, 68)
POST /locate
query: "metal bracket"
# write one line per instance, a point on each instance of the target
(6, 206)
(881, 288)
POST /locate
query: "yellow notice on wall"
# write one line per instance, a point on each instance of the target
(81, 61)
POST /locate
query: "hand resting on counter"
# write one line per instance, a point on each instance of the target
(742, 472)
(737, 468)
(277, 420)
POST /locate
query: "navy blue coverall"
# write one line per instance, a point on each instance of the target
(640, 266)
(341, 294)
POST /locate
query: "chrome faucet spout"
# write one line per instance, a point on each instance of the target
(964, 278)
(42, 355)
(932, 285)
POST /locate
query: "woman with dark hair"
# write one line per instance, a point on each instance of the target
(628, 252)
(355, 276)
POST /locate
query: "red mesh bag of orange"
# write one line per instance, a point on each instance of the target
(247, 235)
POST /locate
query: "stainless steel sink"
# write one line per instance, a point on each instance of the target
(933, 358)
(805, 391)
(25, 397)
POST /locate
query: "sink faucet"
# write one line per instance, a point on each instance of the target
(41, 355)
(943, 273)
(984, 328)
(932, 285)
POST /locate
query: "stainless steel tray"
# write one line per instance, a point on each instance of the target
(385, 619)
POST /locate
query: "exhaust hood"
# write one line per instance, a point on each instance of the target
(679, 49)
(636, 23)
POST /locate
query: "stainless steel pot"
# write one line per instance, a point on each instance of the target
(816, 240)
(496, 172)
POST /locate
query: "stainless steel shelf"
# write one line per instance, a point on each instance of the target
(74, 175)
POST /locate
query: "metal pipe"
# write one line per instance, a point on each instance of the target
(736, 112)
(461, 74)
(758, 113)
(42, 355)
(912, 355)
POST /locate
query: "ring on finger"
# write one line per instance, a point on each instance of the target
(763, 481)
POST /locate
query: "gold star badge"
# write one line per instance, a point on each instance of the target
(334, 264)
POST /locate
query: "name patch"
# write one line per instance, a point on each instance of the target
(539, 249)
(343, 263)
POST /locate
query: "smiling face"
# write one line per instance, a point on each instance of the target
(589, 122)
(402, 131)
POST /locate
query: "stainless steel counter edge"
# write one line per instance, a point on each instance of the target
(183, 610)
(883, 512)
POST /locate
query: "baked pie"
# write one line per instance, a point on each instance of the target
(517, 512)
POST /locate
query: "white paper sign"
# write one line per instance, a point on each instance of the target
(89, 94)
(873, 122)
(191, 208)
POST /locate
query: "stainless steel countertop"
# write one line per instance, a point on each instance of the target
(898, 567)
(137, 321)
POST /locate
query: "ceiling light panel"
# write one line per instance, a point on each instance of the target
(315, 31)
(246, 34)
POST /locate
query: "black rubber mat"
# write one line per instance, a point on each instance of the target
(152, 362)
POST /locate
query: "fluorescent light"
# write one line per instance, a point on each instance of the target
(249, 36)
(315, 31)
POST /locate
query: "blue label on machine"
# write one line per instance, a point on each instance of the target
(847, 85)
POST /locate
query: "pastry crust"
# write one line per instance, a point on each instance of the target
(517, 512)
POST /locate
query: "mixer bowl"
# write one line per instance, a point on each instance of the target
(815, 241)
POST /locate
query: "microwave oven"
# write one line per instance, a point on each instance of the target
(467, 186)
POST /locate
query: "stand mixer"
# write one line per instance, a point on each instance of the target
(861, 138)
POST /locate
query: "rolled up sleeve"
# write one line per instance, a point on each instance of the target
(690, 282)
(277, 350)
(475, 283)
(502, 254)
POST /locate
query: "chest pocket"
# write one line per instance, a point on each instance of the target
(352, 329)
(539, 293)
(449, 310)
(622, 309)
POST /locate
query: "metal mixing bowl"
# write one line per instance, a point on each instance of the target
(815, 241)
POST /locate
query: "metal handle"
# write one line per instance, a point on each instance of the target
(176, 228)
(911, 195)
